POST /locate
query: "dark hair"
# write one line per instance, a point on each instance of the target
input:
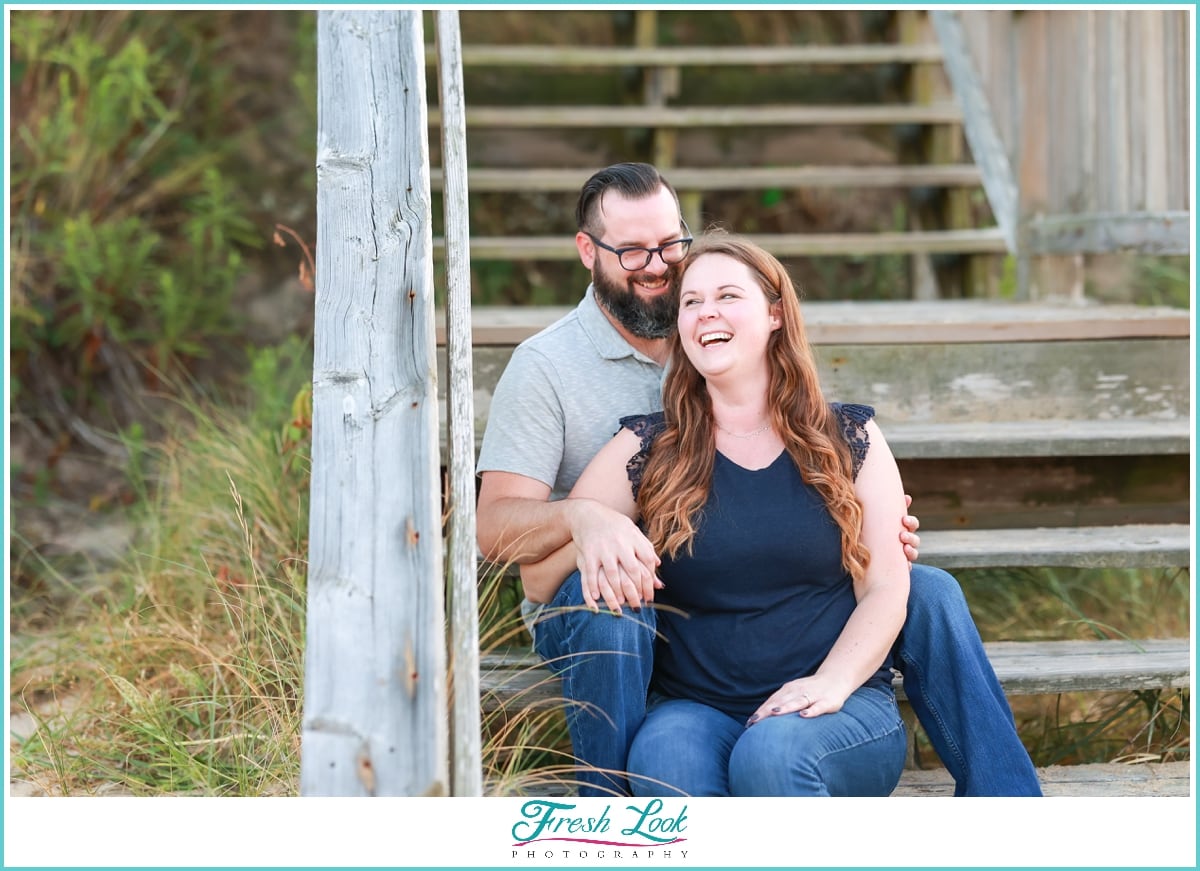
(633, 180)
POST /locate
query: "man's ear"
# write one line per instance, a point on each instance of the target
(587, 251)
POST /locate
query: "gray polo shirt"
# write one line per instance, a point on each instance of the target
(562, 395)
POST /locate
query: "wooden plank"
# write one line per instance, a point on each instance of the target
(1179, 101)
(732, 178)
(781, 245)
(1023, 668)
(1000, 398)
(704, 116)
(569, 56)
(1025, 438)
(1033, 147)
(1065, 491)
(1128, 546)
(1100, 780)
(880, 322)
(1040, 667)
(1039, 438)
(1144, 232)
(1118, 133)
(1133, 546)
(990, 152)
(465, 744)
(375, 660)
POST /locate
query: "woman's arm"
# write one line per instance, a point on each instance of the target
(882, 596)
(615, 570)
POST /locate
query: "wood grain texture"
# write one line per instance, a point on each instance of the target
(570, 56)
(375, 662)
(517, 679)
(466, 749)
(733, 178)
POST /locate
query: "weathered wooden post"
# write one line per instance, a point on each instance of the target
(466, 761)
(375, 666)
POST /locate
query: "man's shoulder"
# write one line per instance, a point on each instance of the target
(564, 335)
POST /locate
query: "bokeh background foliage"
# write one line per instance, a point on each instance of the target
(145, 148)
(161, 353)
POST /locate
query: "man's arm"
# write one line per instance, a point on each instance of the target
(516, 522)
(616, 561)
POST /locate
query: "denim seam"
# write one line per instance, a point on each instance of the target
(931, 710)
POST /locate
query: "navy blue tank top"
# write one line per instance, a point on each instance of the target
(763, 596)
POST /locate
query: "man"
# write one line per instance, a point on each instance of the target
(559, 400)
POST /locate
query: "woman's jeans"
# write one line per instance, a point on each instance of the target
(605, 663)
(688, 748)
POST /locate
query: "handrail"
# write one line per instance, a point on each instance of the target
(669, 56)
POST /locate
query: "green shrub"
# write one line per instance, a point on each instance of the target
(129, 219)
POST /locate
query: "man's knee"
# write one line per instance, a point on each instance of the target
(935, 590)
(631, 632)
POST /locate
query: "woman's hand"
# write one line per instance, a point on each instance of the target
(806, 696)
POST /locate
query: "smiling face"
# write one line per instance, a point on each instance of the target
(642, 301)
(725, 320)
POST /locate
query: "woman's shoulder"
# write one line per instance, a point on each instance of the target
(852, 412)
(645, 426)
(853, 419)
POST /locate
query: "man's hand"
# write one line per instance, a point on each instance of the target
(616, 561)
(908, 536)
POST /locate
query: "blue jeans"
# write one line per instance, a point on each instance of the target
(947, 678)
(955, 693)
(604, 661)
(688, 748)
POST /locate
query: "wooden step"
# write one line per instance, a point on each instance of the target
(517, 679)
(917, 322)
(1100, 780)
(657, 117)
(1133, 546)
(1038, 438)
(1138, 437)
(567, 56)
(985, 241)
(1137, 545)
(483, 180)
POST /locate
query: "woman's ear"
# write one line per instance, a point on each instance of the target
(775, 320)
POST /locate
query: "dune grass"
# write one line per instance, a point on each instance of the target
(180, 669)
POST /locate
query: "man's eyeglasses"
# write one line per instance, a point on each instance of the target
(634, 257)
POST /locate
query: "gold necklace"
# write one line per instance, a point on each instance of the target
(748, 435)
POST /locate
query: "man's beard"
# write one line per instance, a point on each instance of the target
(652, 318)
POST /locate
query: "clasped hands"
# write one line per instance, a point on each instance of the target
(618, 565)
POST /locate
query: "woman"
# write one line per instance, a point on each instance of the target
(776, 515)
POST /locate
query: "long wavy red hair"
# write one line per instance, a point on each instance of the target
(678, 473)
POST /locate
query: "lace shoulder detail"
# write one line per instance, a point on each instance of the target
(647, 428)
(853, 419)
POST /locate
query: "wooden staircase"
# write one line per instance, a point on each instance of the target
(669, 111)
(1031, 434)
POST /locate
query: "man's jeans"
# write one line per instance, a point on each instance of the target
(688, 748)
(955, 693)
(605, 662)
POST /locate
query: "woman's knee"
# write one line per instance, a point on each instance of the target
(682, 748)
(765, 761)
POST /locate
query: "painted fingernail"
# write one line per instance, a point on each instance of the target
(752, 720)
